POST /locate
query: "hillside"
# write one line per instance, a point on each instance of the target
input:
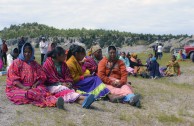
(86, 36)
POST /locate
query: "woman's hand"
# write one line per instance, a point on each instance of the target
(26, 87)
(68, 84)
(116, 83)
(36, 84)
(21, 86)
(88, 75)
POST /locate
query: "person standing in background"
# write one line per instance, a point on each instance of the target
(155, 50)
(43, 48)
(21, 43)
(160, 51)
(4, 51)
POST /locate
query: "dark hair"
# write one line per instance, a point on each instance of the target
(58, 51)
(123, 53)
(16, 50)
(173, 56)
(73, 49)
(28, 45)
(111, 47)
(53, 44)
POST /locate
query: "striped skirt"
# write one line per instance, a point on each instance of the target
(67, 94)
(37, 96)
(92, 85)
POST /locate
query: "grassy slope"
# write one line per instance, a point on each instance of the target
(167, 101)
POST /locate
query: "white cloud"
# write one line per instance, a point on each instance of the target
(139, 16)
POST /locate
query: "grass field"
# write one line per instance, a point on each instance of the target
(165, 102)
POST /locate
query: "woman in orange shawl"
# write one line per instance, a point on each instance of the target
(113, 73)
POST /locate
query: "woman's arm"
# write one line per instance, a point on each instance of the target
(18, 84)
(102, 72)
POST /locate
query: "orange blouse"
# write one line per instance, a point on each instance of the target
(119, 71)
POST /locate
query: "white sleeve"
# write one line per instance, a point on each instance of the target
(46, 45)
(40, 44)
(9, 60)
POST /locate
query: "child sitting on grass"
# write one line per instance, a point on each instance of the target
(153, 68)
(173, 67)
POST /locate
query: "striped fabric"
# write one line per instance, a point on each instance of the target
(27, 75)
(55, 81)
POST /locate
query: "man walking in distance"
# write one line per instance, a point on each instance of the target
(43, 48)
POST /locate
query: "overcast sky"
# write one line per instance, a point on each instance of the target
(137, 16)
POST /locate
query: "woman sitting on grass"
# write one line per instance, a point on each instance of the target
(113, 73)
(127, 63)
(91, 62)
(173, 67)
(153, 68)
(84, 82)
(25, 81)
(136, 64)
(59, 80)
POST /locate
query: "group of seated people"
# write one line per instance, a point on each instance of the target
(68, 77)
(153, 70)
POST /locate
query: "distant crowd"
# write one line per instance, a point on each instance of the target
(74, 75)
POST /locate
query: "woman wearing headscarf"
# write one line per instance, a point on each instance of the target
(125, 59)
(153, 68)
(25, 81)
(12, 56)
(84, 82)
(91, 62)
(113, 73)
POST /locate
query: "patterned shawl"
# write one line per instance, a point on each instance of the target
(52, 74)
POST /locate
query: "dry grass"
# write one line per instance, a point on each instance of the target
(166, 101)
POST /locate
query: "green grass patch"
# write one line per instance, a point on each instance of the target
(169, 118)
(125, 117)
(166, 81)
(3, 78)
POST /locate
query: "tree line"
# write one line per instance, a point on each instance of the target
(86, 36)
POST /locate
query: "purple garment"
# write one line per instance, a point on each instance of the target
(90, 64)
(162, 70)
(89, 84)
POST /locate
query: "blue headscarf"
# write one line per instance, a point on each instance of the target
(153, 59)
(21, 55)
